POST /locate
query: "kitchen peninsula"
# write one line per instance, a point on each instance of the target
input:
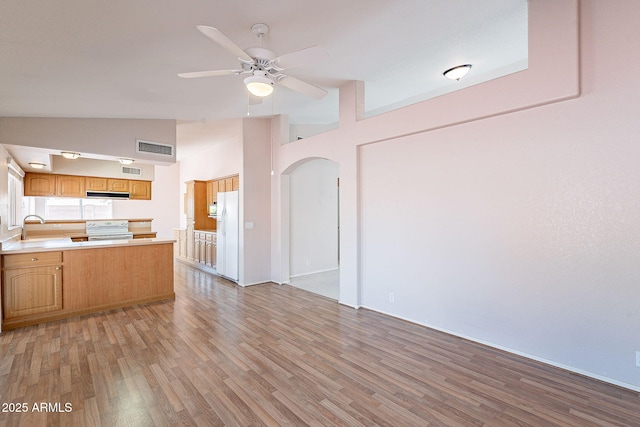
(55, 279)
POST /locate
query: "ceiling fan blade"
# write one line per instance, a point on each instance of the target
(302, 87)
(217, 36)
(301, 57)
(208, 73)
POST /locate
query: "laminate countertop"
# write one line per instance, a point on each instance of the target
(64, 244)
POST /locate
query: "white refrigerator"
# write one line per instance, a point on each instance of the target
(228, 225)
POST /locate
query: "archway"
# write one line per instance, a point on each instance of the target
(312, 205)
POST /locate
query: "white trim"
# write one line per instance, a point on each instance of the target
(13, 166)
(244, 285)
(315, 272)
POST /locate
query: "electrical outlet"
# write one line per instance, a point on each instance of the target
(637, 358)
(392, 297)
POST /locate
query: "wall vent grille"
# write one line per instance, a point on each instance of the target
(129, 170)
(154, 148)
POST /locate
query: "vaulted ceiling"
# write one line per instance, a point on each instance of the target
(120, 58)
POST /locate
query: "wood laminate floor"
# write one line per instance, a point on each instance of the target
(277, 355)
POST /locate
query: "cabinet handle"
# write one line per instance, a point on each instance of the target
(58, 268)
(34, 259)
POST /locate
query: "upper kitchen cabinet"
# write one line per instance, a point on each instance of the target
(212, 192)
(140, 190)
(52, 185)
(70, 186)
(106, 184)
(221, 185)
(41, 184)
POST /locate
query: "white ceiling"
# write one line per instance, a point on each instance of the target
(119, 58)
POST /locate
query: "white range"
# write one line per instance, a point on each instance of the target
(108, 230)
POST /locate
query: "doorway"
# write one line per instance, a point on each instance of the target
(314, 227)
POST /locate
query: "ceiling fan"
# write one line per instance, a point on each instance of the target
(263, 67)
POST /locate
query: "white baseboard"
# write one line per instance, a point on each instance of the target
(315, 272)
(518, 353)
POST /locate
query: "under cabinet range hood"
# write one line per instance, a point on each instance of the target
(107, 195)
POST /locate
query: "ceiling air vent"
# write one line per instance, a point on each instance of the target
(129, 170)
(154, 148)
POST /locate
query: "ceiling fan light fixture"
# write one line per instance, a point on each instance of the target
(37, 165)
(125, 161)
(457, 72)
(70, 155)
(259, 86)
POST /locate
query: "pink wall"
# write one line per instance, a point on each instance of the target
(219, 154)
(516, 200)
(255, 206)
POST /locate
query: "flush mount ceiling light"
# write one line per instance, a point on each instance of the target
(37, 165)
(70, 155)
(125, 161)
(458, 72)
(259, 85)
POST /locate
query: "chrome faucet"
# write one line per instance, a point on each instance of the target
(24, 221)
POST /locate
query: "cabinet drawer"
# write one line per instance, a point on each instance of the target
(209, 237)
(32, 259)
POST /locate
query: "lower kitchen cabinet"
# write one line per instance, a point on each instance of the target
(210, 249)
(112, 275)
(190, 242)
(205, 247)
(196, 246)
(180, 248)
(151, 235)
(32, 284)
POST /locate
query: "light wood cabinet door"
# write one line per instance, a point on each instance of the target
(70, 186)
(140, 190)
(93, 183)
(209, 254)
(228, 184)
(189, 201)
(182, 250)
(235, 183)
(39, 184)
(199, 254)
(117, 184)
(221, 186)
(190, 242)
(29, 291)
(212, 192)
